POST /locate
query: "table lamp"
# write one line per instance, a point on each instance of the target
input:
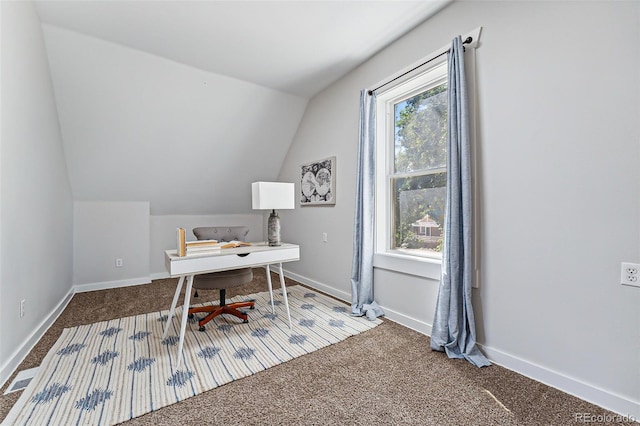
(272, 196)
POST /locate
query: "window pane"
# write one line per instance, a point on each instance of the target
(421, 131)
(419, 204)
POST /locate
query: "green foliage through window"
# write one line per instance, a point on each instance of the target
(421, 131)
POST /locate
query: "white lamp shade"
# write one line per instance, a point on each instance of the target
(272, 195)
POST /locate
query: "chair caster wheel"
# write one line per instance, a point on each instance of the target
(201, 328)
(191, 316)
(245, 321)
(252, 307)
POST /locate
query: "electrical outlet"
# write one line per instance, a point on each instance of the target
(119, 263)
(22, 302)
(629, 274)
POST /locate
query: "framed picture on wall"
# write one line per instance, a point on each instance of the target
(318, 183)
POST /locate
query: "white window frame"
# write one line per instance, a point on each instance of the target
(402, 88)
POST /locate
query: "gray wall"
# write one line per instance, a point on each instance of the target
(36, 205)
(104, 231)
(559, 148)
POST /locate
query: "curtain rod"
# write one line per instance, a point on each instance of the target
(466, 41)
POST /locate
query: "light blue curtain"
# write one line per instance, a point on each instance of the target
(454, 324)
(362, 302)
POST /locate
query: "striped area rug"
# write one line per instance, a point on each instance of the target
(112, 371)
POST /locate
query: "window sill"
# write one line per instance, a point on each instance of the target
(412, 265)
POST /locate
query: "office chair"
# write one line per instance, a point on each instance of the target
(224, 279)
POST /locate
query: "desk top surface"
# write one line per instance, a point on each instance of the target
(254, 255)
(172, 255)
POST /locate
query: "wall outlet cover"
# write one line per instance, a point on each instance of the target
(629, 274)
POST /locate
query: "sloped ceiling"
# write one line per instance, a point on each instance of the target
(184, 104)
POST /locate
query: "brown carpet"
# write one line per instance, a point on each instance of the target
(387, 375)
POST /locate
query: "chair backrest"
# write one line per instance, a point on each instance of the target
(224, 279)
(221, 233)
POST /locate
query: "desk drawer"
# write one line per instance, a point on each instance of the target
(202, 265)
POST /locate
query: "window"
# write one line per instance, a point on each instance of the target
(411, 165)
(410, 180)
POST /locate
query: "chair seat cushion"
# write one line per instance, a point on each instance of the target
(223, 279)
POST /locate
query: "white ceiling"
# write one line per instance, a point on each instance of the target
(299, 47)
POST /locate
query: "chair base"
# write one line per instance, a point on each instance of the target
(215, 310)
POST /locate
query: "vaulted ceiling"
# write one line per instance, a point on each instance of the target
(185, 103)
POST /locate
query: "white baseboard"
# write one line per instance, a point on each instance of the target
(407, 321)
(105, 285)
(20, 353)
(339, 294)
(160, 276)
(605, 399)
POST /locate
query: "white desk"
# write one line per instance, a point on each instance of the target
(258, 254)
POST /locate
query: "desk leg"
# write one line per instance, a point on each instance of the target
(185, 311)
(284, 295)
(273, 309)
(173, 307)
